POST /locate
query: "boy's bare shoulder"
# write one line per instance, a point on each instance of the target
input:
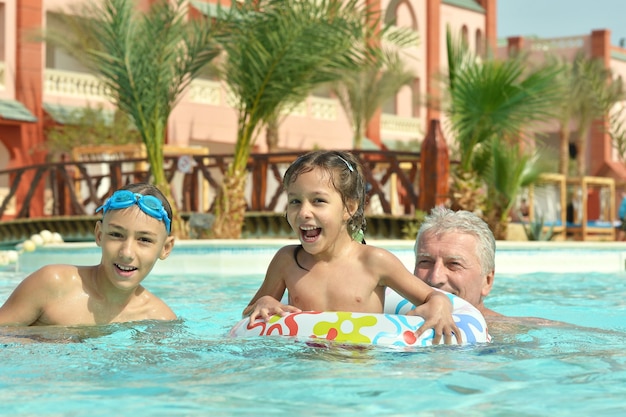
(58, 274)
(153, 307)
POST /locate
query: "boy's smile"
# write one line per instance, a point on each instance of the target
(131, 243)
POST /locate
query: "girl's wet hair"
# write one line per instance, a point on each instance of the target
(144, 188)
(345, 173)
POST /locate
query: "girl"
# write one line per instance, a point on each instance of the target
(330, 270)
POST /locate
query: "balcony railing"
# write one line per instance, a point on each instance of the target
(76, 188)
(201, 91)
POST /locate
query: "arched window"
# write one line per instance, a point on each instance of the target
(480, 44)
(401, 13)
(465, 36)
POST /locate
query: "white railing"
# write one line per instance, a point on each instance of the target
(407, 125)
(570, 42)
(71, 83)
(78, 84)
(323, 108)
(205, 92)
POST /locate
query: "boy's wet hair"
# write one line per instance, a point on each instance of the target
(144, 188)
(345, 174)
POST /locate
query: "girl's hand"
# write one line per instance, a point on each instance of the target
(267, 306)
(437, 314)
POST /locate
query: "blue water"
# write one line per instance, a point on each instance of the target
(190, 367)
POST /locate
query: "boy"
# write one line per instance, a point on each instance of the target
(134, 232)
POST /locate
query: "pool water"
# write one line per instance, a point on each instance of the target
(191, 367)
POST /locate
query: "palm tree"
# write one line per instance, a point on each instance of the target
(588, 92)
(363, 92)
(492, 104)
(277, 52)
(617, 130)
(146, 61)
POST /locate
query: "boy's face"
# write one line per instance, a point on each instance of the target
(315, 209)
(449, 261)
(131, 243)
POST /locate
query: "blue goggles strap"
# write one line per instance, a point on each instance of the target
(149, 204)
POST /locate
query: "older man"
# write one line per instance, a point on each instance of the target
(455, 252)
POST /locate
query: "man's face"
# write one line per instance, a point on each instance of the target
(449, 262)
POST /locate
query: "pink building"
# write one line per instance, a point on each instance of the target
(37, 82)
(601, 157)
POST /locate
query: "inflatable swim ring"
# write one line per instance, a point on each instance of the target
(392, 328)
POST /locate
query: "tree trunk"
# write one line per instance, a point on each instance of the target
(155, 159)
(564, 151)
(271, 135)
(230, 207)
(581, 162)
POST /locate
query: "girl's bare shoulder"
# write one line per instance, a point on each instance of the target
(377, 254)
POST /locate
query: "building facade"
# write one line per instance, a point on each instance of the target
(38, 82)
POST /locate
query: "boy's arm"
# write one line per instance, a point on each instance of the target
(25, 305)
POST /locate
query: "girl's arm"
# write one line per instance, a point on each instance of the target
(432, 305)
(265, 302)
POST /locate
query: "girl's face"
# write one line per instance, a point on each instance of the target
(315, 210)
(131, 243)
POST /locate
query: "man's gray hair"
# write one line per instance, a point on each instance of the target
(443, 220)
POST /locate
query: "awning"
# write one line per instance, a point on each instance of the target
(14, 110)
(71, 115)
(208, 9)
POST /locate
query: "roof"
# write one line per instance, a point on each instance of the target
(208, 9)
(71, 114)
(14, 110)
(465, 4)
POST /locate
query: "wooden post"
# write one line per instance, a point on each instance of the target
(435, 169)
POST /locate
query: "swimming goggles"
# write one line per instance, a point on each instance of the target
(149, 204)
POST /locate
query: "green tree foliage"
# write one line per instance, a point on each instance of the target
(277, 52)
(363, 92)
(588, 92)
(493, 105)
(145, 60)
(91, 126)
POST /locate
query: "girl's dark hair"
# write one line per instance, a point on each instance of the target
(144, 188)
(346, 175)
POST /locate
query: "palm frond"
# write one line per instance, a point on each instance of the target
(497, 98)
(276, 58)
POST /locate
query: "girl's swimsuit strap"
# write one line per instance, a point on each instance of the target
(295, 256)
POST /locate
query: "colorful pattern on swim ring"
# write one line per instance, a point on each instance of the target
(388, 329)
